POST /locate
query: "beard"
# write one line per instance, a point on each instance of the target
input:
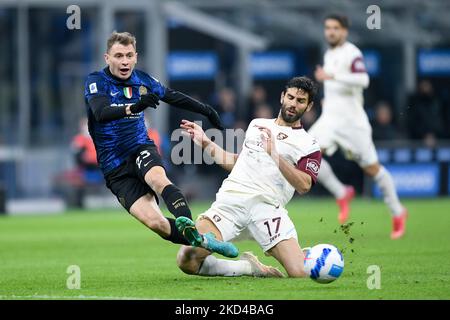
(290, 118)
(333, 42)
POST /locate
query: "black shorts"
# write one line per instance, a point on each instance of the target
(127, 181)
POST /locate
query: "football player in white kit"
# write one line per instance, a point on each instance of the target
(278, 157)
(344, 123)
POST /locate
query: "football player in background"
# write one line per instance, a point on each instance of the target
(278, 157)
(344, 123)
(116, 98)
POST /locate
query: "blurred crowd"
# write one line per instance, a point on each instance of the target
(423, 118)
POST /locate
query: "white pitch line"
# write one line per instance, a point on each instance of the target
(77, 297)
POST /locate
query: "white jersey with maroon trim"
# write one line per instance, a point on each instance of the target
(256, 173)
(343, 96)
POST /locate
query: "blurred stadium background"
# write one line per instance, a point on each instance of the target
(235, 55)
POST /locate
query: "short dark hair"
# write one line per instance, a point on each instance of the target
(124, 38)
(304, 83)
(342, 19)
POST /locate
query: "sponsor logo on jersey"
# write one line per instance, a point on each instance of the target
(147, 163)
(121, 104)
(282, 136)
(179, 203)
(93, 88)
(216, 218)
(313, 166)
(142, 90)
(273, 238)
(128, 92)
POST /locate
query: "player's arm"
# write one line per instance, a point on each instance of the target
(303, 175)
(98, 99)
(300, 180)
(220, 156)
(356, 77)
(104, 112)
(183, 101)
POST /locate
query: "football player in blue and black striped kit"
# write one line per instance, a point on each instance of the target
(115, 100)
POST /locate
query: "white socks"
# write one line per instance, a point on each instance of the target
(387, 187)
(228, 268)
(329, 180)
(383, 179)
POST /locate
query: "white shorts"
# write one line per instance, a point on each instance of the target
(233, 214)
(356, 142)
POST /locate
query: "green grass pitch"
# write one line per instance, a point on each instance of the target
(119, 258)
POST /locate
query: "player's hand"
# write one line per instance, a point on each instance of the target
(147, 100)
(268, 140)
(214, 118)
(321, 75)
(195, 132)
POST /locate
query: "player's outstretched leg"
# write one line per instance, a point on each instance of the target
(291, 256)
(259, 269)
(146, 210)
(344, 204)
(399, 225)
(174, 199)
(187, 227)
(384, 180)
(197, 261)
(343, 194)
(207, 241)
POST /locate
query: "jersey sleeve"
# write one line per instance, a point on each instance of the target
(155, 86)
(251, 128)
(356, 60)
(95, 86)
(357, 74)
(358, 65)
(250, 125)
(310, 164)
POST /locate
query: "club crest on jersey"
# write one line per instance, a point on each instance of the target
(313, 166)
(142, 91)
(281, 136)
(128, 92)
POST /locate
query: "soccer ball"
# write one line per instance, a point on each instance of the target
(324, 263)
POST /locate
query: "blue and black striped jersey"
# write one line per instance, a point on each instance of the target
(116, 140)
